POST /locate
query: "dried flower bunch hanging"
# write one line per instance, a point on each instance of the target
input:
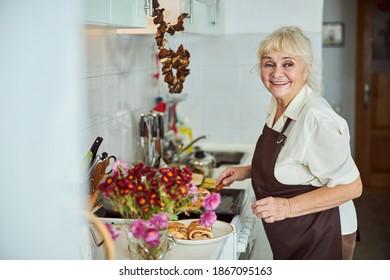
(170, 59)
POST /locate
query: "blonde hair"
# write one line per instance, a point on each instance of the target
(292, 41)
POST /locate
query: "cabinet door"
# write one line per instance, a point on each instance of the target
(256, 16)
(204, 16)
(171, 13)
(128, 13)
(97, 11)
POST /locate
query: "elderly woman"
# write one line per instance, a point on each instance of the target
(302, 170)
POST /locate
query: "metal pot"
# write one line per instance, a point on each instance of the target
(201, 162)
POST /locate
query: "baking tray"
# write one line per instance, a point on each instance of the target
(231, 202)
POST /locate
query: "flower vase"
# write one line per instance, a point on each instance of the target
(140, 250)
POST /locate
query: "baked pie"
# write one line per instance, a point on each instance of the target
(194, 231)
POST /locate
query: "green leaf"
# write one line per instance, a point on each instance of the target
(173, 217)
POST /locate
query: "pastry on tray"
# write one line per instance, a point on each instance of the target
(194, 231)
(178, 230)
(197, 232)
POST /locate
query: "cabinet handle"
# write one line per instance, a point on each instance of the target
(149, 6)
(190, 10)
(216, 13)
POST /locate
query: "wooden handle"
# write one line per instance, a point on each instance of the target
(98, 174)
(218, 187)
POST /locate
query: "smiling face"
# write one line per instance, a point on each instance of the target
(283, 75)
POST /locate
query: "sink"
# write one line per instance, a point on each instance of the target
(227, 157)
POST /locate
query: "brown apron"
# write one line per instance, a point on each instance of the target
(314, 236)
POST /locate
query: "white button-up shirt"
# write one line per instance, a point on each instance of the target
(317, 149)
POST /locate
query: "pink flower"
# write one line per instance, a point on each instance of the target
(207, 219)
(119, 166)
(194, 192)
(160, 220)
(193, 189)
(152, 237)
(148, 230)
(137, 229)
(114, 233)
(212, 201)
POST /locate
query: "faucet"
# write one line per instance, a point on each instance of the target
(192, 143)
(174, 148)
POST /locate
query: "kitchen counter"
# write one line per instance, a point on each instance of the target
(248, 241)
(218, 250)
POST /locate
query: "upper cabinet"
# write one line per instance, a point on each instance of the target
(172, 10)
(97, 11)
(116, 13)
(204, 16)
(264, 16)
(216, 17)
(208, 17)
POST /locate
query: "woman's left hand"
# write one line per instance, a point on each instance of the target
(271, 209)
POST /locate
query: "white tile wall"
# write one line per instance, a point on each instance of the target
(226, 99)
(118, 87)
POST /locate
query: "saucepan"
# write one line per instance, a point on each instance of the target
(201, 162)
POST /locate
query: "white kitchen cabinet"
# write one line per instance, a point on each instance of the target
(250, 16)
(264, 16)
(173, 9)
(97, 11)
(115, 13)
(204, 16)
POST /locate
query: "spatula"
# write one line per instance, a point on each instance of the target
(218, 187)
(98, 174)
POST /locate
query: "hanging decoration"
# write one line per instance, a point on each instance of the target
(174, 63)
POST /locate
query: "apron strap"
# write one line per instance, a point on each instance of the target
(281, 136)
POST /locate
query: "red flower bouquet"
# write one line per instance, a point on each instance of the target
(152, 197)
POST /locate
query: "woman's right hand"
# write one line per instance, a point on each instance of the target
(231, 174)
